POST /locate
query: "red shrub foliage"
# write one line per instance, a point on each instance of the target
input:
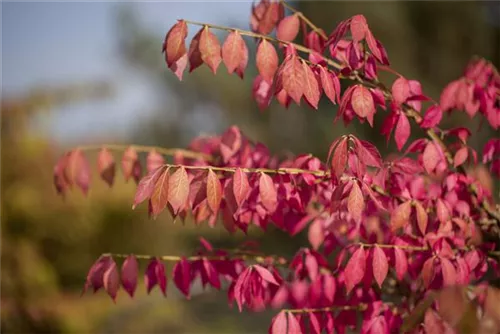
(409, 244)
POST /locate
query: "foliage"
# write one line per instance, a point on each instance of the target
(410, 243)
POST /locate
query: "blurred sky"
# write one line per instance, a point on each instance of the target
(57, 43)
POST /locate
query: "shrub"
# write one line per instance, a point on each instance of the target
(409, 244)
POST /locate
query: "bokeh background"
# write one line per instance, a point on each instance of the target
(79, 73)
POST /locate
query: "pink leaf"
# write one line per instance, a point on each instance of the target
(265, 274)
(111, 280)
(241, 187)
(400, 217)
(359, 27)
(266, 60)
(210, 49)
(362, 101)
(312, 92)
(267, 192)
(130, 269)
(288, 28)
(106, 166)
(279, 324)
(400, 90)
(380, 265)
(293, 324)
(430, 157)
(178, 189)
(355, 269)
(328, 85)
(356, 202)
(402, 132)
(449, 272)
(460, 156)
(432, 117)
(234, 52)
(401, 263)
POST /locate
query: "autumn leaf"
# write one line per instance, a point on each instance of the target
(266, 60)
(400, 217)
(210, 49)
(178, 189)
(355, 269)
(356, 202)
(214, 191)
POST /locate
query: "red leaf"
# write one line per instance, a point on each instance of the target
(442, 211)
(359, 27)
(338, 33)
(293, 325)
(267, 193)
(339, 159)
(279, 324)
(182, 276)
(430, 157)
(266, 60)
(402, 132)
(146, 187)
(111, 280)
(210, 49)
(106, 166)
(428, 271)
(401, 263)
(265, 274)
(130, 163)
(154, 161)
(312, 92)
(174, 45)
(291, 78)
(356, 202)
(432, 117)
(241, 187)
(194, 53)
(95, 276)
(368, 153)
(78, 170)
(362, 102)
(214, 191)
(159, 196)
(130, 269)
(448, 96)
(155, 275)
(401, 216)
(178, 189)
(328, 85)
(422, 217)
(400, 90)
(449, 272)
(372, 44)
(355, 269)
(380, 265)
(316, 234)
(461, 156)
(314, 322)
(288, 28)
(234, 52)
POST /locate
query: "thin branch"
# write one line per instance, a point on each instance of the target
(319, 173)
(299, 47)
(359, 307)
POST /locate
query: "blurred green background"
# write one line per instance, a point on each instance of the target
(75, 73)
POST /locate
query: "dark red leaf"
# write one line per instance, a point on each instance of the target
(182, 276)
(194, 54)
